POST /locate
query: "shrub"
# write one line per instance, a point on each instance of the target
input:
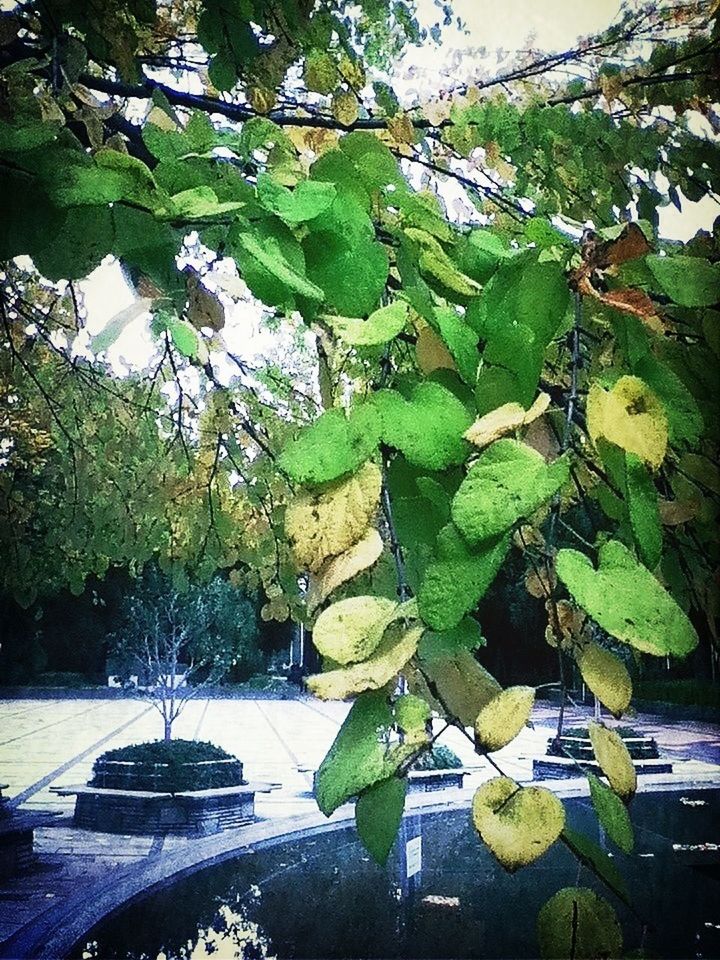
(439, 758)
(691, 693)
(647, 750)
(167, 766)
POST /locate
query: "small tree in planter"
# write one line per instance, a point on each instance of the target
(178, 642)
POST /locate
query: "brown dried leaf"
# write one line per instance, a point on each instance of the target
(431, 353)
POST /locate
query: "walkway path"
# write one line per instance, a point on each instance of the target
(46, 743)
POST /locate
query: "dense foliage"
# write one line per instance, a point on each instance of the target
(172, 643)
(480, 380)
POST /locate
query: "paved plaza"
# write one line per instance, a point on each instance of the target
(47, 744)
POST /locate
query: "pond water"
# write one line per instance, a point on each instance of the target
(321, 896)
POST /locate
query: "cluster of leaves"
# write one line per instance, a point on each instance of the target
(489, 392)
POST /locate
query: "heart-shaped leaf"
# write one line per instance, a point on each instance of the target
(517, 824)
(577, 924)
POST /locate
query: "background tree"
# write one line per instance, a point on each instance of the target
(177, 642)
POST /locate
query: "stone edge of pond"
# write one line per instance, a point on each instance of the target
(52, 934)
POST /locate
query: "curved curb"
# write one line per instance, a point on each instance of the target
(53, 933)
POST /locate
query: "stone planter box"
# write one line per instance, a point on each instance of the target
(16, 838)
(428, 780)
(191, 813)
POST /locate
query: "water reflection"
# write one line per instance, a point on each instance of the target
(323, 897)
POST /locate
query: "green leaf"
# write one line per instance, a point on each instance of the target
(606, 676)
(626, 600)
(255, 248)
(461, 341)
(689, 281)
(184, 336)
(319, 72)
(614, 759)
(349, 271)
(453, 585)
(428, 429)
(597, 860)
(501, 720)
(642, 502)
(309, 199)
(685, 421)
(378, 813)
(612, 814)
(389, 657)
(351, 629)
(373, 161)
(517, 824)
(199, 203)
(435, 264)
(110, 177)
(508, 482)
(523, 292)
(357, 757)
(482, 253)
(332, 446)
(412, 715)
(576, 924)
(380, 327)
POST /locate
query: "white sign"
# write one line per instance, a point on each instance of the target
(413, 856)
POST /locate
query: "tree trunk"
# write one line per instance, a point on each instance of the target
(168, 729)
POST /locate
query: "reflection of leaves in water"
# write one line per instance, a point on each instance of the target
(230, 935)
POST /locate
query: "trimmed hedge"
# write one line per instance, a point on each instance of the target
(167, 767)
(646, 750)
(687, 693)
(439, 758)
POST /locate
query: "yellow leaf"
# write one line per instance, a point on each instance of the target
(402, 129)
(393, 652)
(437, 111)
(431, 353)
(351, 629)
(606, 676)
(463, 685)
(261, 99)
(344, 107)
(503, 718)
(340, 569)
(630, 416)
(508, 417)
(518, 824)
(352, 71)
(614, 759)
(322, 525)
